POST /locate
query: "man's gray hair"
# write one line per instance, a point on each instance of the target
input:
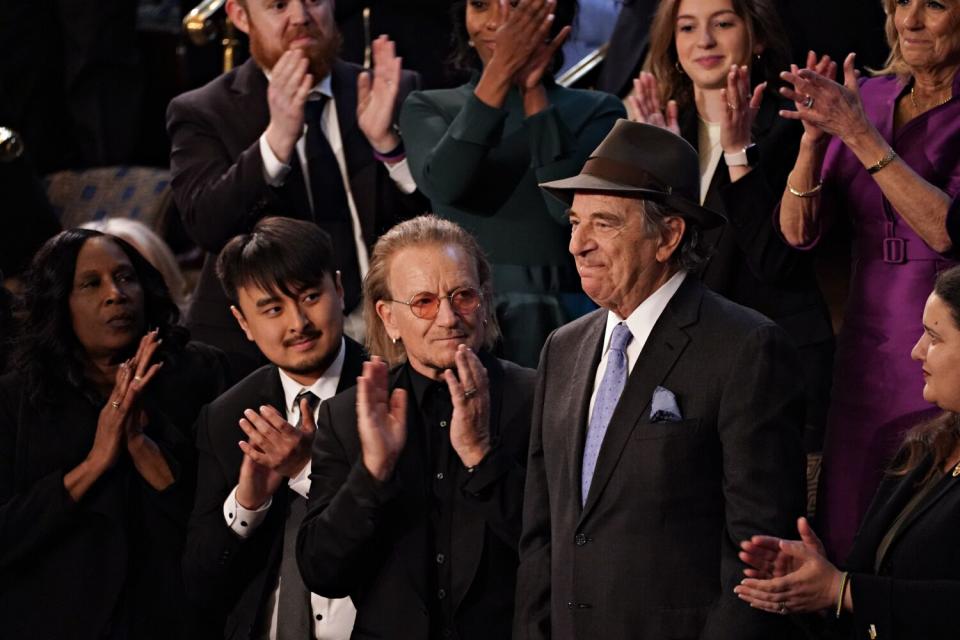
(692, 253)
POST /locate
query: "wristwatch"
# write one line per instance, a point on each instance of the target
(748, 157)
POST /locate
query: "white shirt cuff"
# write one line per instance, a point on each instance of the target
(241, 521)
(301, 482)
(274, 171)
(401, 176)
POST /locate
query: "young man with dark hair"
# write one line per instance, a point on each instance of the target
(239, 558)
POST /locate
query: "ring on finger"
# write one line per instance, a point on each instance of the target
(731, 107)
(808, 103)
(469, 393)
(137, 378)
(782, 608)
(115, 404)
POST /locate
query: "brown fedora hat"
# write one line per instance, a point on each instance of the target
(644, 162)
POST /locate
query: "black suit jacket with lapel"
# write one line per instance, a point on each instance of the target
(653, 553)
(369, 540)
(753, 265)
(916, 590)
(232, 577)
(220, 189)
(628, 46)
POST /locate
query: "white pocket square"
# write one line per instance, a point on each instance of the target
(664, 407)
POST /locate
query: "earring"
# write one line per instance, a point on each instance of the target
(470, 44)
(394, 340)
(679, 69)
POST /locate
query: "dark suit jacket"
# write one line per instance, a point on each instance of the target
(222, 572)
(369, 540)
(752, 265)
(76, 569)
(653, 553)
(915, 592)
(220, 189)
(628, 46)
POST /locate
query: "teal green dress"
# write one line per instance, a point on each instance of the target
(480, 167)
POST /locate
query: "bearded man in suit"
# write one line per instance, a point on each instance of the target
(665, 425)
(296, 132)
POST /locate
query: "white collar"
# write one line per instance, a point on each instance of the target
(325, 386)
(324, 87)
(642, 319)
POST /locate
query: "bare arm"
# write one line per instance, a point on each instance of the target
(837, 109)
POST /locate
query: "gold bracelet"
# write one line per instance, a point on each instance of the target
(884, 161)
(806, 194)
(844, 581)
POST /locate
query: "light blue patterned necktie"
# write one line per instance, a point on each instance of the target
(608, 395)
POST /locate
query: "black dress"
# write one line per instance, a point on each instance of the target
(107, 566)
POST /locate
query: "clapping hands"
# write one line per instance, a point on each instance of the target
(381, 419)
(788, 576)
(377, 96)
(470, 393)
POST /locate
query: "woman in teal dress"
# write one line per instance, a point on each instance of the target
(479, 151)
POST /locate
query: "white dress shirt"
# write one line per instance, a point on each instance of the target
(640, 322)
(709, 150)
(333, 618)
(276, 172)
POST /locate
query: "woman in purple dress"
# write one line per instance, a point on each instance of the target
(892, 166)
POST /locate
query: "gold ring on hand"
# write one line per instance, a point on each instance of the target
(115, 404)
(808, 103)
(469, 393)
(782, 608)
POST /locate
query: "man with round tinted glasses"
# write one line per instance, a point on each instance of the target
(426, 305)
(417, 475)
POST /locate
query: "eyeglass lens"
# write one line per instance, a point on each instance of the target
(463, 301)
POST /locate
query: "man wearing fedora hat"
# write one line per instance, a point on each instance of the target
(667, 425)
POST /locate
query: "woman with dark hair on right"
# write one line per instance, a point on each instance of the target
(881, 152)
(903, 574)
(715, 65)
(96, 448)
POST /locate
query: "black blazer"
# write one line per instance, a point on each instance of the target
(752, 265)
(628, 46)
(219, 185)
(225, 574)
(76, 569)
(368, 539)
(915, 593)
(653, 553)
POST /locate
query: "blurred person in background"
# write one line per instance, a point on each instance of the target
(152, 247)
(478, 152)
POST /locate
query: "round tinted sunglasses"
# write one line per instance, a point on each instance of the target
(426, 305)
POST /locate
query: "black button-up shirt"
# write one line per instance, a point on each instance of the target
(435, 409)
